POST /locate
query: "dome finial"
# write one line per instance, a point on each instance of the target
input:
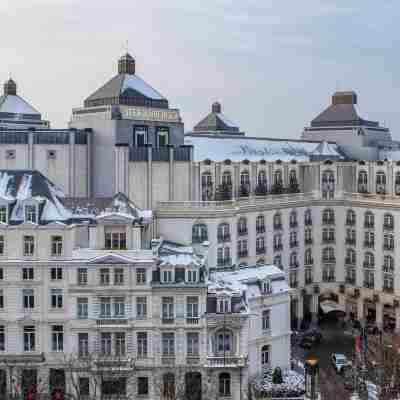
(126, 64)
(10, 88)
(216, 107)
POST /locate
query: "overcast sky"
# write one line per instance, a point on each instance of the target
(273, 64)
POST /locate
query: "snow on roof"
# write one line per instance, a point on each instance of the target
(238, 281)
(14, 104)
(136, 83)
(226, 121)
(326, 149)
(179, 259)
(219, 148)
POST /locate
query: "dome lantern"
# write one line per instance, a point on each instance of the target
(10, 88)
(216, 107)
(126, 65)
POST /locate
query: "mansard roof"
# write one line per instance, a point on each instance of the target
(127, 88)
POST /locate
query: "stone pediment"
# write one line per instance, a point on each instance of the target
(110, 259)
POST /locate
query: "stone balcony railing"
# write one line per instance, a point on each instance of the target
(227, 361)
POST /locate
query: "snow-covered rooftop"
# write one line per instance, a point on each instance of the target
(136, 83)
(11, 104)
(173, 254)
(238, 148)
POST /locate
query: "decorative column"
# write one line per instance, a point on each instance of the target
(311, 368)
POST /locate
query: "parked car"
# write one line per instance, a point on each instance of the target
(340, 362)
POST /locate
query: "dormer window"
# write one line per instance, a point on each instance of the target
(3, 214)
(192, 275)
(140, 136)
(162, 136)
(30, 214)
(266, 286)
(223, 304)
(167, 276)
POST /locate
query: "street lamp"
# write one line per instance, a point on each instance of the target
(312, 378)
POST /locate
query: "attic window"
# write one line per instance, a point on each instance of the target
(30, 214)
(162, 136)
(167, 276)
(10, 154)
(3, 214)
(51, 155)
(223, 305)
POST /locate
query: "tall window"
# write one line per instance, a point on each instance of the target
(223, 232)
(120, 344)
(83, 344)
(115, 240)
(3, 214)
(119, 307)
(245, 178)
(227, 178)
(266, 320)
(105, 307)
(351, 257)
(56, 245)
(362, 182)
(293, 219)
(192, 344)
(30, 213)
(82, 305)
(2, 245)
(260, 224)
(278, 177)
(56, 273)
(350, 217)
(118, 276)
(206, 179)
(328, 216)
(106, 343)
(168, 343)
(192, 307)
(82, 276)
(388, 221)
(369, 260)
(308, 259)
(262, 178)
(141, 344)
(260, 245)
(28, 297)
(29, 245)
(29, 338)
(167, 309)
(277, 221)
(224, 341)
(141, 307)
(162, 136)
(224, 384)
(328, 254)
(56, 298)
(57, 338)
(368, 220)
(104, 276)
(199, 233)
(293, 260)
(278, 261)
(28, 273)
(2, 338)
(307, 217)
(140, 276)
(242, 226)
(140, 136)
(265, 356)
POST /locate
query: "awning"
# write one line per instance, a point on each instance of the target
(328, 306)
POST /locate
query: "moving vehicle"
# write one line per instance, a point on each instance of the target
(340, 362)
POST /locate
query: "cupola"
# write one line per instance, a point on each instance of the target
(216, 107)
(126, 65)
(10, 88)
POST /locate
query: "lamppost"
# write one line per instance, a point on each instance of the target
(312, 378)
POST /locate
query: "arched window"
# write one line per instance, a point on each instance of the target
(224, 384)
(227, 178)
(242, 226)
(350, 218)
(244, 183)
(278, 177)
(278, 261)
(206, 179)
(265, 358)
(369, 220)
(308, 260)
(351, 257)
(224, 341)
(328, 254)
(168, 386)
(262, 178)
(278, 242)
(292, 177)
(307, 217)
(293, 260)
(199, 233)
(277, 221)
(380, 178)
(363, 182)
(369, 260)
(223, 232)
(293, 219)
(260, 224)
(328, 216)
(388, 221)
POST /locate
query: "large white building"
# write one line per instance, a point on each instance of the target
(325, 210)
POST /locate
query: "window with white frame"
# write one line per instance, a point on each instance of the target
(119, 307)
(224, 341)
(167, 276)
(2, 245)
(141, 307)
(115, 240)
(82, 306)
(223, 305)
(120, 344)
(28, 274)
(56, 273)
(388, 221)
(192, 343)
(57, 338)
(29, 245)
(28, 298)
(104, 276)
(191, 275)
(56, 245)
(30, 214)
(1, 299)
(106, 343)
(83, 344)
(162, 136)
(141, 338)
(56, 298)
(168, 344)
(224, 384)
(167, 309)
(118, 276)
(82, 276)
(192, 307)
(227, 178)
(140, 276)
(140, 136)
(2, 338)
(105, 307)
(265, 357)
(29, 338)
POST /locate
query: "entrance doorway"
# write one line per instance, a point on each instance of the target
(28, 381)
(193, 385)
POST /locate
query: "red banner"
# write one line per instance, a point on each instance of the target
(357, 344)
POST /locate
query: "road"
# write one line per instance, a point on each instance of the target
(335, 340)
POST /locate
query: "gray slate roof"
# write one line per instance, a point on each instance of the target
(216, 121)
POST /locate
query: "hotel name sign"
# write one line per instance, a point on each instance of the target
(150, 114)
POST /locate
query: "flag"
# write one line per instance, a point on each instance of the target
(357, 344)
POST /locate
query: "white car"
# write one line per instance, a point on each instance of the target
(339, 362)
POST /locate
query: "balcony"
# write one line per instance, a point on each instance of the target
(328, 240)
(349, 261)
(328, 260)
(350, 280)
(293, 224)
(308, 222)
(167, 320)
(260, 229)
(226, 237)
(278, 247)
(193, 360)
(260, 250)
(328, 278)
(308, 241)
(243, 253)
(199, 239)
(369, 225)
(369, 244)
(242, 232)
(369, 285)
(192, 320)
(105, 321)
(277, 226)
(227, 361)
(328, 221)
(222, 262)
(388, 227)
(294, 243)
(388, 289)
(367, 264)
(168, 360)
(388, 247)
(350, 222)
(309, 261)
(350, 241)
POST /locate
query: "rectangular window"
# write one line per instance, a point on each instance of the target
(168, 309)
(29, 245)
(115, 240)
(83, 344)
(2, 338)
(140, 276)
(140, 136)
(141, 307)
(56, 245)
(162, 136)
(28, 298)
(30, 214)
(106, 343)
(119, 307)
(193, 344)
(1, 299)
(266, 323)
(118, 276)
(56, 298)
(57, 338)
(82, 307)
(168, 344)
(192, 307)
(104, 276)
(120, 345)
(3, 214)
(28, 274)
(167, 276)
(142, 344)
(192, 276)
(105, 307)
(143, 386)
(29, 338)
(84, 386)
(2, 245)
(1, 274)
(82, 276)
(56, 273)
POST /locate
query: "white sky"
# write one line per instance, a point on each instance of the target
(272, 64)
